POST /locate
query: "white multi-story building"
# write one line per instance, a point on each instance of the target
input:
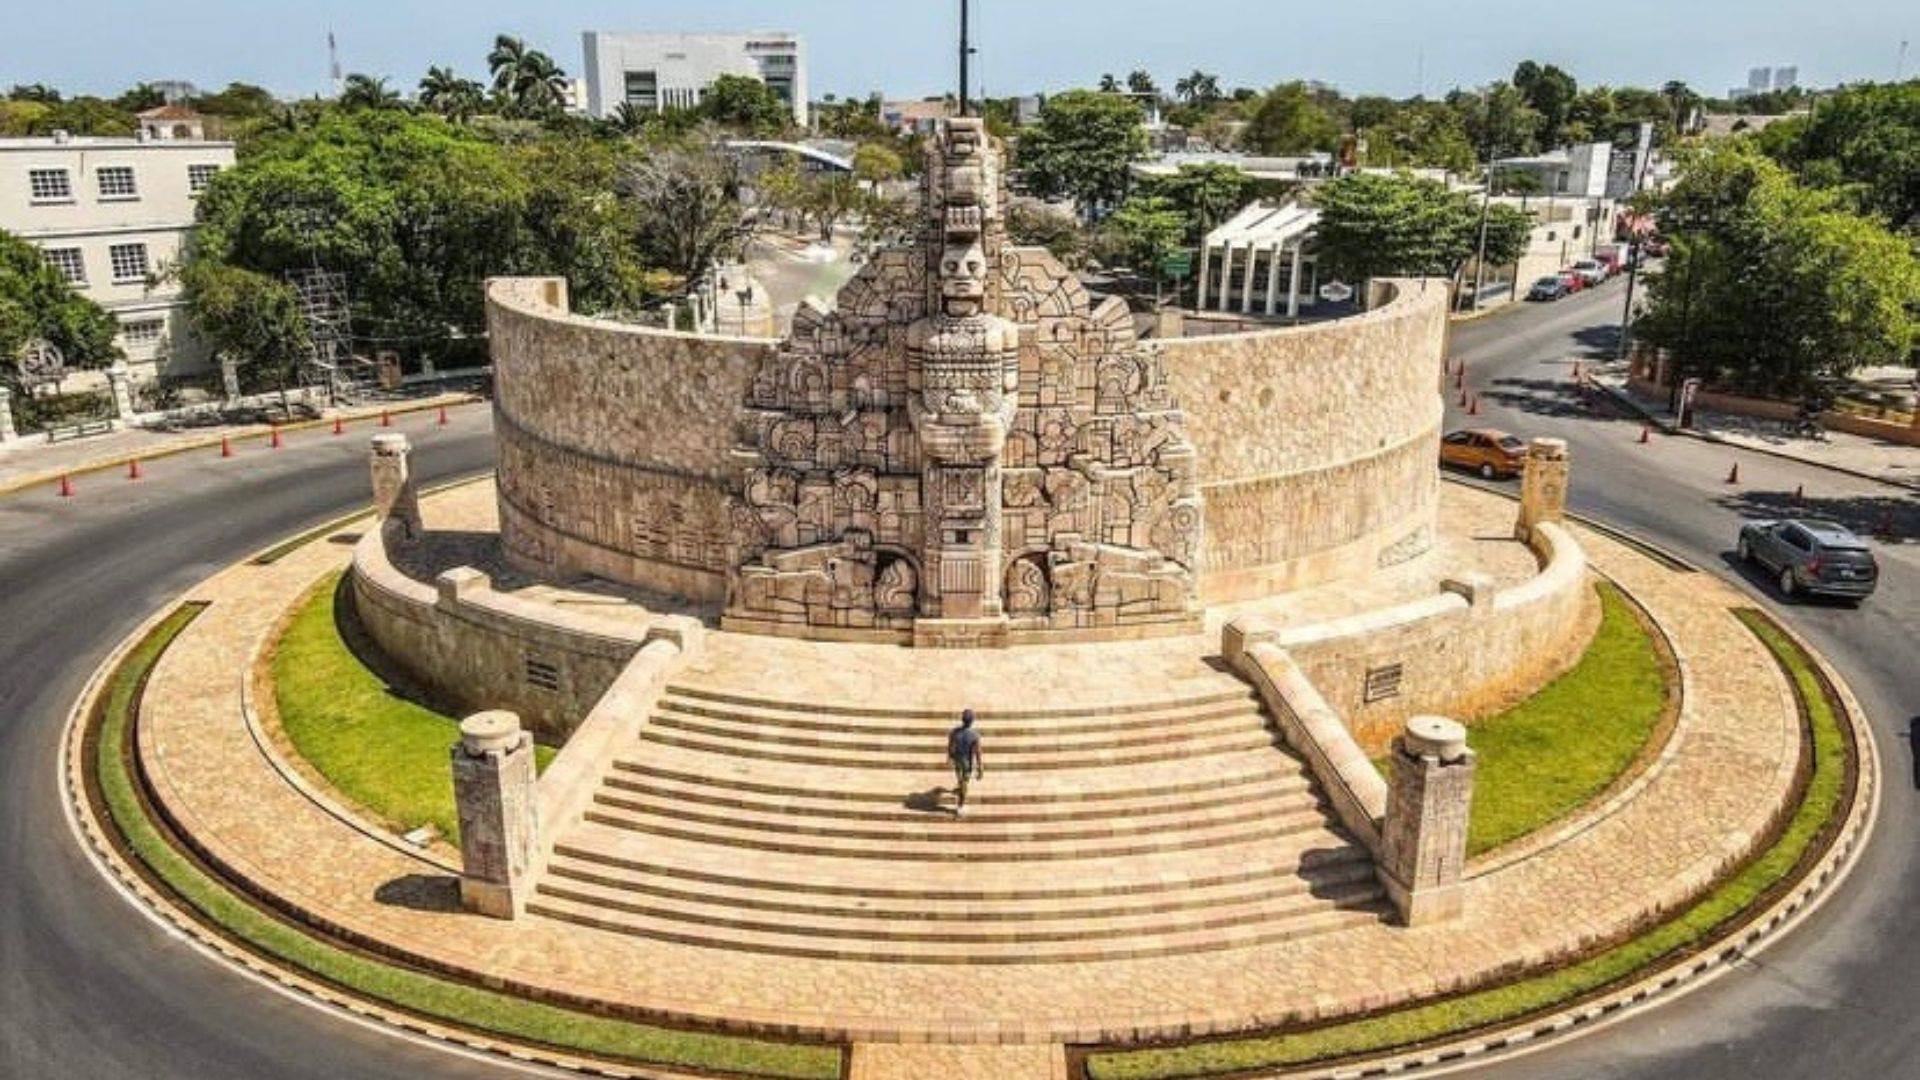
(111, 214)
(656, 72)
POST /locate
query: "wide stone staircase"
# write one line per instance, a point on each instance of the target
(812, 830)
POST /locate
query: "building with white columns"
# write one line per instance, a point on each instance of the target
(1259, 263)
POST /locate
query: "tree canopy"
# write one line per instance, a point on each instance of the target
(1374, 225)
(1083, 148)
(37, 302)
(1290, 121)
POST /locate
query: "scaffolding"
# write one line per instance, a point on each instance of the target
(323, 304)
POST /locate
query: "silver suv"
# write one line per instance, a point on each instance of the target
(1815, 557)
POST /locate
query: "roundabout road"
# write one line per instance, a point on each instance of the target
(89, 989)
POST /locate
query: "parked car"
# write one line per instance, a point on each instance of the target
(1547, 288)
(1655, 247)
(1486, 451)
(1590, 271)
(1814, 557)
(1574, 282)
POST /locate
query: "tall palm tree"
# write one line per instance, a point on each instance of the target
(1109, 84)
(366, 92)
(1199, 88)
(527, 80)
(451, 96)
(628, 120)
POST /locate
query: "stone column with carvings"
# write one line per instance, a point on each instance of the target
(1423, 846)
(120, 384)
(395, 497)
(7, 432)
(493, 791)
(1543, 486)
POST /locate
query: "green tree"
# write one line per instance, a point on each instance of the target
(1374, 225)
(1039, 226)
(743, 104)
(139, 98)
(1550, 92)
(876, 164)
(690, 213)
(453, 97)
(254, 320)
(1863, 141)
(1290, 121)
(37, 302)
(1141, 83)
(1083, 148)
(526, 80)
(1773, 286)
(1424, 134)
(1508, 229)
(1203, 195)
(1198, 89)
(1143, 231)
(367, 92)
(1497, 119)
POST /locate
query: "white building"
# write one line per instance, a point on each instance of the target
(1578, 171)
(108, 213)
(656, 72)
(1258, 263)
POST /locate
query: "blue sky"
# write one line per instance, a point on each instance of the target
(904, 47)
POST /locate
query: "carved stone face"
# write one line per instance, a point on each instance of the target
(963, 278)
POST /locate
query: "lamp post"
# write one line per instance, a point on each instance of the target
(745, 296)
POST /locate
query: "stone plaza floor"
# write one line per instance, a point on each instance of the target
(1700, 808)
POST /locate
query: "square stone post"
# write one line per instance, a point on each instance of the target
(7, 432)
(1543, 486)
(1293, 283)
(395, 498)
(1424, 840)
(120, 384)
(493, 790)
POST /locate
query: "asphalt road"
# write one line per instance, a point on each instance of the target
(89, 989)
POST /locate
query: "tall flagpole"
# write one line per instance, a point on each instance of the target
(966, 54)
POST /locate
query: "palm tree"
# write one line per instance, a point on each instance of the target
(527, 80)
(1109, 84)
(451, 96)
(628, 120)
(1198, 88)
(366, 92)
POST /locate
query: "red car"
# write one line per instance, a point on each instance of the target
(1572, 280)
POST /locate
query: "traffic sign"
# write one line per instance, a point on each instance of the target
(1178, 265)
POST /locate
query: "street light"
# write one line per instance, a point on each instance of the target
(745, 296)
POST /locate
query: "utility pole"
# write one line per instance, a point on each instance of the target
(966, 57)
(1633, 261)
(1486, 206)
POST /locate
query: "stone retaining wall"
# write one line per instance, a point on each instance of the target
(480, 649)
(1316, 444)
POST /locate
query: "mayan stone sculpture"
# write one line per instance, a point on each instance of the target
(964, 449)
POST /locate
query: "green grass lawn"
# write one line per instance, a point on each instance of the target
(1410, 1027)
(1551, 754)
(442, 999)
(385, 753)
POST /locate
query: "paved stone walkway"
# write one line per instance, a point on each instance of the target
(1698, 810)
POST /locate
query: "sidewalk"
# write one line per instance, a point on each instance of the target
(31, 461)
(1888, 463)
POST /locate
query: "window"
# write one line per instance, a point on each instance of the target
(69, 262)
(199, 176)
(129, 261)
(116, 182)
(50, 185)
(141, 331)
(643, 89)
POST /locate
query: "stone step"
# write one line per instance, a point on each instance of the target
(697, 862)
(958, 842)
(1230, 742)
(798, 718)
(1085, 789)
(1223, 689)
(712, 724)
(1286, 923)
(1317, 881)
(935, 823)
(709, 793)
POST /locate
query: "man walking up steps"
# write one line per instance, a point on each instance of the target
(963, 753)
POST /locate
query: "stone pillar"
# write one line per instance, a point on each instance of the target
(7, 432)
(395, 498)
(120, 384)
(1543, 486)
(1423, 845)
(229, 378)
(493, 790)
(1170, 323)
(1293, 283)
(1200, 293)
(1273, 276)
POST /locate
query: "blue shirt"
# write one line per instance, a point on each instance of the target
(963, 743)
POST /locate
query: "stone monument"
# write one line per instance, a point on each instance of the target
(1543, 486)
(7, 432)
(493, 792)
(1424, 838)
(395, 496)
(120, 385)
(965, 447)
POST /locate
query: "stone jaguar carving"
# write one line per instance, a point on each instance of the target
(963, 403)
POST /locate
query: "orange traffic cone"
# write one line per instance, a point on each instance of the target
(66, 486)
(1799, 494)
(1733, 474)
(1463, 399)
(273, 440)
(133, 469)
(1474, 408)
(1646, 433)
(1460, 377)
(339, 426)
(226, 446)
(386, 418)
(443, 416)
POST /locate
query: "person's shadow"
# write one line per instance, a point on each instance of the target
(1913, 749)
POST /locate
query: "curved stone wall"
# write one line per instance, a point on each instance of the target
(615, 442)
(1317, 444)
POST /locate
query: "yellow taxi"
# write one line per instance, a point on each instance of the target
(1488, 452)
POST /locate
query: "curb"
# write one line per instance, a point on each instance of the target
(1669, 427)
(252, 431)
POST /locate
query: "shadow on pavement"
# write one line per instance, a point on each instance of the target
(1550, 397)
(1883, 519)
(421, 892)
